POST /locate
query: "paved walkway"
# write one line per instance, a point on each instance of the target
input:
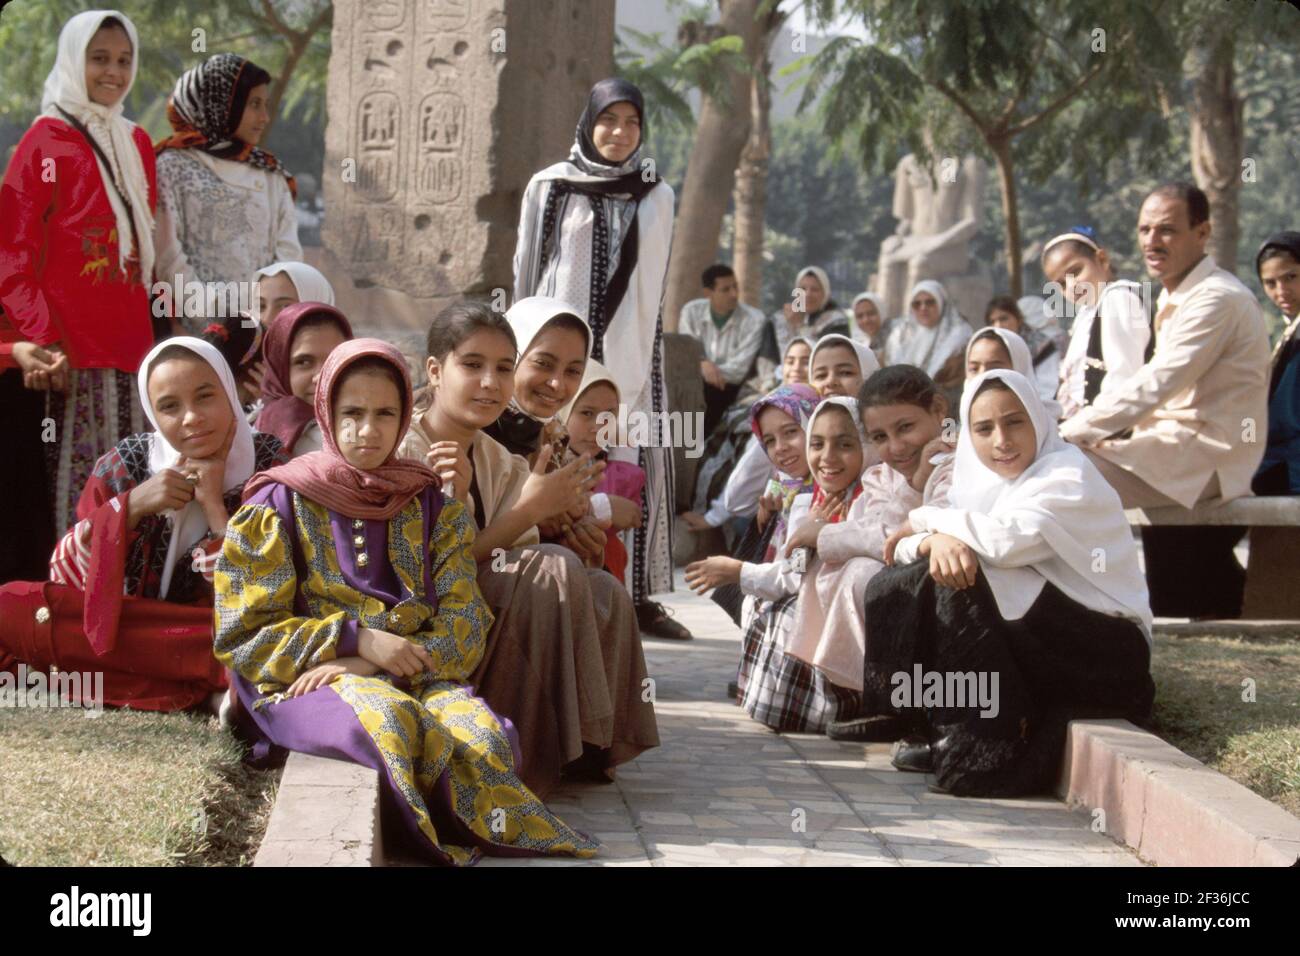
(724, 790)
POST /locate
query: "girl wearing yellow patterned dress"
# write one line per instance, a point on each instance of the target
(347, 609)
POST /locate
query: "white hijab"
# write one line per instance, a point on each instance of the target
(818, 273)
(189, 524)
(66, 87)
(850, 405)
(911, 343)
(867, 361)
(527, 318)
(593, 373)
(311, 284)
(1021, 361)
(1061, 497)
(879, 303)
(1034, 309)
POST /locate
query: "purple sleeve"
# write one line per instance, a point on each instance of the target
(348, 643)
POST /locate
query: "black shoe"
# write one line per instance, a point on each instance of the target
(591, 767)
(881, 728)
(912, 754)
(654, 621)
(733, 691)
(932, 784)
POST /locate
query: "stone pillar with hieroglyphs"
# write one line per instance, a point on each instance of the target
(439, 111)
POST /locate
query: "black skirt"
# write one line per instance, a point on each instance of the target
(1060, 662)
(26, 528)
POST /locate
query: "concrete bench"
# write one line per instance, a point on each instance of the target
(326, 814)
(1273, 571)
(1169, 807)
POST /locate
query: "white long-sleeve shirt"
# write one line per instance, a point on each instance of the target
(731, 348)
(1194, 407)
(1125, 333)
(776, 579)
(745, 484)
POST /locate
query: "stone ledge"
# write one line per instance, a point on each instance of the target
(1170, 808)
(326, 814)
(1237, 627)
(1281, 511)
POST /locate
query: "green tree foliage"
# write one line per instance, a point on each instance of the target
(257, 29)
(1033, 85)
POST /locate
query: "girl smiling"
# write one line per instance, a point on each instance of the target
(564, 660)
(903, 415)
(1031, 577)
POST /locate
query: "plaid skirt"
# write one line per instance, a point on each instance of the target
(781, 691)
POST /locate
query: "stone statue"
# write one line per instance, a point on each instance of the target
(937, 218)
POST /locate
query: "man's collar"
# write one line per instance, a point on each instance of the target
(1190, 281)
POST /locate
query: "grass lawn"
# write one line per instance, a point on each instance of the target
(127, 788)
(1199, 709)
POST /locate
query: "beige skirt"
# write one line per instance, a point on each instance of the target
(564, 663)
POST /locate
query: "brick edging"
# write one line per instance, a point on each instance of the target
(326, 814)
(1169, 807)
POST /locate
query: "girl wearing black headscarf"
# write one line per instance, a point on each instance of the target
(226, 206)
(595, 231)
(1278, 267)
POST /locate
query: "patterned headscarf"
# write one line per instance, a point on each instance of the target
(206, 107)
(798, 401)
(326, 477)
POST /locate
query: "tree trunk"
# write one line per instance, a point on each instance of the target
(298, 43)
(296, 50)
(1001, 149)
(750, 198)
(1217, 143)
(720, 135)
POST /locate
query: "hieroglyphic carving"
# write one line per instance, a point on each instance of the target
(378, 235)
(426, 113)
(383, 14)
(440, 163)
(379, 126)
(441, 15)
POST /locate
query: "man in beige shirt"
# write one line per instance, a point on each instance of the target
(1191, 424)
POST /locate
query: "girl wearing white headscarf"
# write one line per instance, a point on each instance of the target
(596, 233)
(152, 523)
(1032, 578)
(877, 339)
(758, 586)
(523, 432)
(1017, 350)
(778, 688)
(309, 284)
(76, 250)
(817, 318)
(867, 361)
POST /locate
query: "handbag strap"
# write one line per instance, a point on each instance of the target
(80, 127)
